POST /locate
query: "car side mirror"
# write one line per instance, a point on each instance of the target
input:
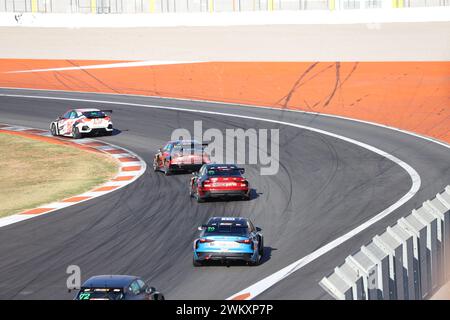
(200, 228)
(194, 174)
(149, 290)
(258, 229)
(159, 150)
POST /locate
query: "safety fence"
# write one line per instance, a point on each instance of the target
(155, 6)
(411, 260)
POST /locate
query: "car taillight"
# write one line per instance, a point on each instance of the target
(244, 183)
(202, 241)
(206, 183)
(246, 241)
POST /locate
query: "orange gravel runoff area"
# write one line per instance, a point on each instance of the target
(413, 96)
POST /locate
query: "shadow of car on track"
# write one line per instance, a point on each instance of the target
(253, 195)
(115, 132)
(217, 263)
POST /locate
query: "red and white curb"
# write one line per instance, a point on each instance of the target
(131, 167)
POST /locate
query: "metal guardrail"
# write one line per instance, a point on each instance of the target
(409, 261)
(154, 6)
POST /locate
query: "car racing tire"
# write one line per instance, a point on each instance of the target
(167, 171)
(257, 262)
(261, 248)
(155, 165)
(76, 133)
(53, 130)
(158, 297)
(198, 198)
(196, 263)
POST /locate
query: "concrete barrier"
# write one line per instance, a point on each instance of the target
(409, 261)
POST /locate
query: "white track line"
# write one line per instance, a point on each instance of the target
(108, 66)
(271, 280)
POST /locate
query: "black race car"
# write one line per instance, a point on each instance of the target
(117, 287)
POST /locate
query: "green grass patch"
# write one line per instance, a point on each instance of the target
(33, 172)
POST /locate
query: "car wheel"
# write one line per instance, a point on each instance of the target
(155, 165)
(53, 130)
(76, 133)
(167, 171)
(158, 296)
(196, 263)
(261, 247)
(198, 198)
(255, 263)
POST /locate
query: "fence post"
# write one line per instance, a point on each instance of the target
(93, 6)
(381, 259)
(152, 6)
(331, 5)
(337, 287)
(270, 5)
(432, 249)
(394, 249)
(406, 240)
(444, 200)
(34, 5)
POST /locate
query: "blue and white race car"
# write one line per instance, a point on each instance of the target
(229, 238)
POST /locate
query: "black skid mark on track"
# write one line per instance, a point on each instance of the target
(93, 77)
(337, 83)
(296, 85)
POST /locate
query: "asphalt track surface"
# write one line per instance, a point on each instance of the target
(325, 187)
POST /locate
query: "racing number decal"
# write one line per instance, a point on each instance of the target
(85, 296)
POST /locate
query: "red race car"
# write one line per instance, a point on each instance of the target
(180, 155)
(219, 181)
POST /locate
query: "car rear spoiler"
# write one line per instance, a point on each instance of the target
(109, 111)
(193, 144)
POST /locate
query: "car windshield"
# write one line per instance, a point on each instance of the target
(226, 230)
(100, 294)
(224, 172)
(94, 114)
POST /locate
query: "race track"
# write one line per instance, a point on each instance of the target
(325, 188)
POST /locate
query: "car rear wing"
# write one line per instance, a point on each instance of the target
(192, 145)
(224, 167)
(108, 111)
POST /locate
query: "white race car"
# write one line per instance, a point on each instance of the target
(76, 122)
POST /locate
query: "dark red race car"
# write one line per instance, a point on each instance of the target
(219, 181)
(180, 155)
